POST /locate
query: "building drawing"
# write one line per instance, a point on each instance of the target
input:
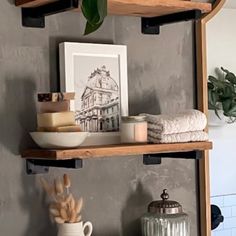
(99, 103)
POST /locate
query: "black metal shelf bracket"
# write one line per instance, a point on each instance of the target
(41, 166)
(35, 16)
(155, 159)
(151, 25)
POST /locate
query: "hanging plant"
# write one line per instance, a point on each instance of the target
(95, 12)
(222, 95)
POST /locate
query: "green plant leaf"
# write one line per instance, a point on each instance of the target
(229, 76)
(210, 85)
(232, 111)
(217, 83)
(94, 11)
(91, 28)
(222, 94)
(226, 105)
(102, 9)
(227, 92)
(214, 97)
(224, 70)
(90, 11)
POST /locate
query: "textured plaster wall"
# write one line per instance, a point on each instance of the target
(117, 190)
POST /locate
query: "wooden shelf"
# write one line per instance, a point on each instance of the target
(115, 150)
(146, 8)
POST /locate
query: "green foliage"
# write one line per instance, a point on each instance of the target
(95, 12)
(222, 94)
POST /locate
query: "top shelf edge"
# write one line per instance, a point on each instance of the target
(141, 8)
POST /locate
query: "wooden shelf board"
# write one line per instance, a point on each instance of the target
(148, 8)
(114, 150)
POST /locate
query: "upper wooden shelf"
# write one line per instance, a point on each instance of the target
(115, 150)
(146, 8)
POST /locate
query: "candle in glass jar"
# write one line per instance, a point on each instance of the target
(134, 129)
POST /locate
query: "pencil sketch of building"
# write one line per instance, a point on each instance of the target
(99, 103)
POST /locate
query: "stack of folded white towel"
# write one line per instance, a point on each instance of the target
(187, 126)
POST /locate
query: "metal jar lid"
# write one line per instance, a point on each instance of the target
(165, 206)
(133, 119)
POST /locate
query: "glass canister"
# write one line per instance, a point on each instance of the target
(165, 218)
(133, 129)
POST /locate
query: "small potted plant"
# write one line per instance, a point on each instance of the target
(222, 98)
(65, 209)
(95, 12)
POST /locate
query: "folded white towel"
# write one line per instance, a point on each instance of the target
(195, 136)
(187, 121)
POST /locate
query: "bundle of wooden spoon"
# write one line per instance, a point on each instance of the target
(64, 207)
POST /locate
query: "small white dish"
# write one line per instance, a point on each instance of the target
(52, 140)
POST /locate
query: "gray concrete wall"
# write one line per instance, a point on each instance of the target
(116, 190)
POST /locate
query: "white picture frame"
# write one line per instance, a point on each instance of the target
(90, 70)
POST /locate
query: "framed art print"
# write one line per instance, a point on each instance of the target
(97, 73)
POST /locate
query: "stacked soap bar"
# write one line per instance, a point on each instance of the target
(54, 113)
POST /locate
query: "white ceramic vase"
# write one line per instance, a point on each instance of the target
(75, 229)
(213, 119)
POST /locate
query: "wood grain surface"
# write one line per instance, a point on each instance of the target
(148, 8)
(114, 150)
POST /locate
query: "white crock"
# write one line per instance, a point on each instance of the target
(75, 229)
(213, 119)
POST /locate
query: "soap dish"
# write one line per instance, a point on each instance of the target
(59, 140)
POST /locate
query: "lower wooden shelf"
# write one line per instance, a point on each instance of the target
(115, 150)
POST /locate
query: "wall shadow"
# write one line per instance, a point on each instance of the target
(35, 204)
(17, 119)
(12, 2)
(135, 207)
(18, 114)
(149, 102)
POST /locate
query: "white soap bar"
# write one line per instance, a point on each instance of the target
(56, 119)
(73, 128)
(48, 107)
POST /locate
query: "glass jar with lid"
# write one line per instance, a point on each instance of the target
(133, 129)
(165, 218)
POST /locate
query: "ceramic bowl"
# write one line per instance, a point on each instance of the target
(50, 140)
